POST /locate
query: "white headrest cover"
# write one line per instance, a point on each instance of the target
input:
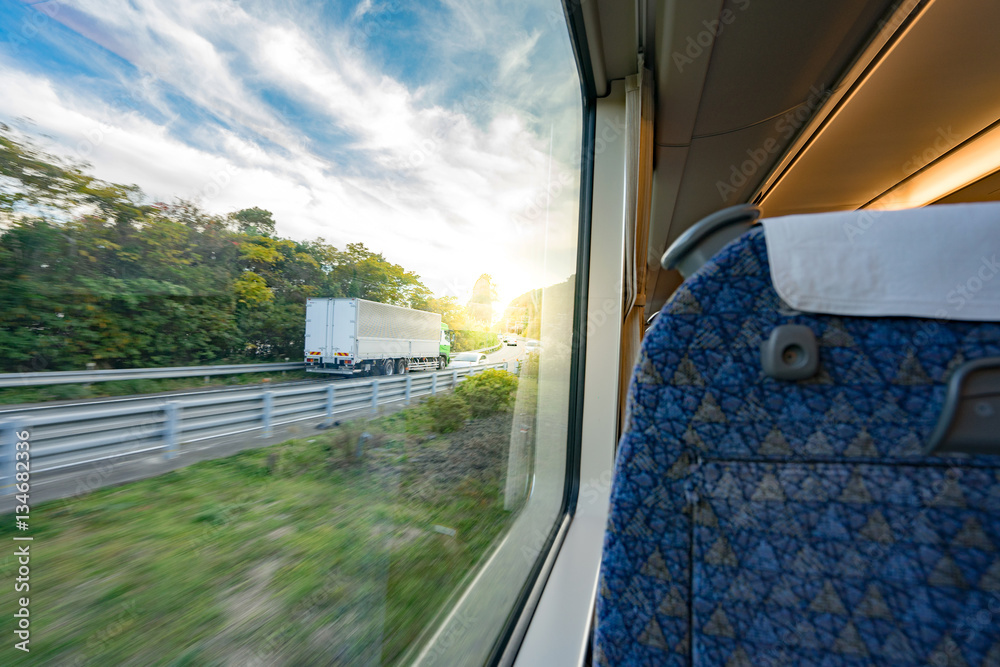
(937, 262)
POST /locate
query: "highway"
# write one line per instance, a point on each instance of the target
(507, 353)
(504, 354)
(136, 423)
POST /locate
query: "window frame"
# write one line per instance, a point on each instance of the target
(505, 646)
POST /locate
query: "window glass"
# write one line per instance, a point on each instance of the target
(192, 185)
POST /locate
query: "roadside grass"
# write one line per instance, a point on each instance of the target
(298, 553)
(67, 392)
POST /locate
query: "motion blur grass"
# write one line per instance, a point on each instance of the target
(294, 554)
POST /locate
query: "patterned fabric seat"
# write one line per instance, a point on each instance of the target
(764, 522)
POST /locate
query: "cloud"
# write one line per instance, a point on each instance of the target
(363, 8)
(240, 105)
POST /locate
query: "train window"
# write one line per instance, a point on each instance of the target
(361, 193)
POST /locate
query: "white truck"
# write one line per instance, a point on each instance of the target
(358, 337)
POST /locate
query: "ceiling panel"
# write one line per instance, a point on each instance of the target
(679, 86)
(618, 36)
(724, 170)
(769, 56)
(935, 89)
(736, 82)
(986, 189)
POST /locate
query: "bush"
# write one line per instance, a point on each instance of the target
(491, 391)
(348, 441)
(448, 412)
(472, 340)
(301, 456)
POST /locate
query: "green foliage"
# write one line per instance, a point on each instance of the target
(254, 221)
(359, 272)
(187, 554)
(448, 412)
(90, 272)
(66, 392)
(491, 391)
(452, 313)
(252, 290)
(523, 314)
(308, 457)
(472, 340)
(344, 443)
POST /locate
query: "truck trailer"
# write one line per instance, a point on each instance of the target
(358, 337)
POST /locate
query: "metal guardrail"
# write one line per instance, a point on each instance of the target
(66, 436)
(43, 378)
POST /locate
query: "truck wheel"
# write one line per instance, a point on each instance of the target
(388, 367)
(442, 362)
(400, 367)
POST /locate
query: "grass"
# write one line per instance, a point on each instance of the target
(65, 392)
(293, 554)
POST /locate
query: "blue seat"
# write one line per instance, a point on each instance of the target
(757, 521)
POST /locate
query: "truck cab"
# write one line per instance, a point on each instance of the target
(445, 347)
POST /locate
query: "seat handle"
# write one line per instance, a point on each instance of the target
(708, 236)
(970, 417)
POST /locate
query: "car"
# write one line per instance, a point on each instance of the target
(510, 340)
(467, 359)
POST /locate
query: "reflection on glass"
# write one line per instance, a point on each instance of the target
(176, 179)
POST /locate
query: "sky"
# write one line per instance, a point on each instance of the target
(443, 134)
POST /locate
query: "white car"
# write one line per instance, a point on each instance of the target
(467, 359)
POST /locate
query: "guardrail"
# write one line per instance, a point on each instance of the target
(43, 378)
(67, 436)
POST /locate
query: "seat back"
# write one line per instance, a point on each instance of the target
(757, 521)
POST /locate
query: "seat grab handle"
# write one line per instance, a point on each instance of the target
(970, 418)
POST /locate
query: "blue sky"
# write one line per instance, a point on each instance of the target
(430, 131)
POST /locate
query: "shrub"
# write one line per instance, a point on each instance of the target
(301, 456)
(344, 442)
(448, 412)
(472, 340)
(491, 391)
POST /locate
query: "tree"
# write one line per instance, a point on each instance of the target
(33, 178)
(484, 294)
(89, 272)
(452, 313)
(254, 222)
(359, 272)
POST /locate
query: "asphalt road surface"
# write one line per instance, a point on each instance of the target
(508, 353)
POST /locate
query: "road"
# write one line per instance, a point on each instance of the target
(88, 477)
(507, 353)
